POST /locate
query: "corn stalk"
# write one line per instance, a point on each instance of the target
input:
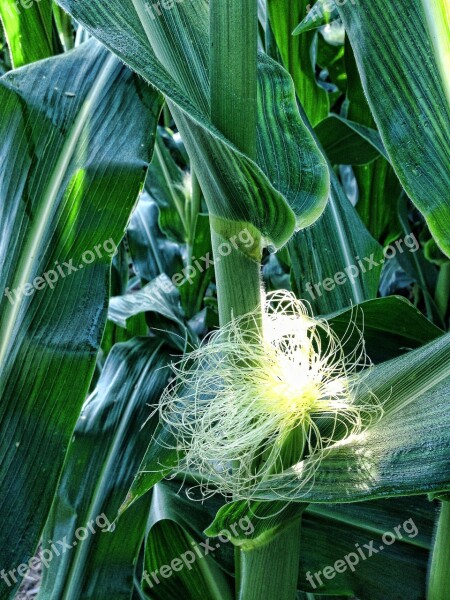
(271, 570)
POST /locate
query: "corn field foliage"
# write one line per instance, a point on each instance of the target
(224, 310)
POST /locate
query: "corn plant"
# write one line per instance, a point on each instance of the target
(224, 347)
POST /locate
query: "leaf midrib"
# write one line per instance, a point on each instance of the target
(47, 204)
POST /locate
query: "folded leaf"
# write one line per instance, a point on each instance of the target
(175, 530)
(287, 186)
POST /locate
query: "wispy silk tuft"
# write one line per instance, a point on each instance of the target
(245, 406)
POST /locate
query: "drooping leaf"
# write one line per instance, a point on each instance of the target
(107, 446)
(161, 299)
(175, 533)
(157, 296)
(402, 82)
(235, 187)
(64, 208)
(152, 253)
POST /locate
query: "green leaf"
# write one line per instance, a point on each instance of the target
(167, 544)
(166, 184)
(437, 18)
(349, 143)
(157, 296)
(418, 267)
(152, 253)
(320, 14)
(60, 198)
(270, 194)
(405, 453)
(378, 185)
(409, 104)
(268, 521)
(391, 326)
(193, 287)
(161, 299)
(29, 30)
(330, 533)
(338, 240)
(331, 58)
(107, 446)
(296, 54)
(114, 334)
(159, 461)
(379, 191)
(176, 527)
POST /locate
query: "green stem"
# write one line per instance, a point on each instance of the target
(233, 70)
(271, 571)
(238, 281)
(233, 75)
(439, 579)
(442, 294)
